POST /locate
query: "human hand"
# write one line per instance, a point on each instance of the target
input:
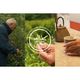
(46, 52)
(72, 48)
(17, 50)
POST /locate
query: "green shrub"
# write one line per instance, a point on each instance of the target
(17, 39)
(32, 59)
(48, 23)
(38, 16)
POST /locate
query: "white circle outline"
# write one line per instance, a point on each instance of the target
(44, 29)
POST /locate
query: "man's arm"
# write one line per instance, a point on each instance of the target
(5, 46)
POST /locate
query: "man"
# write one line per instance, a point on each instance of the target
(47, 53)
(73, 48)
(5, 47)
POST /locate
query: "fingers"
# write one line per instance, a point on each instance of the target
(39, 48)
(50, 59)
(50, 50)
(43, 45)
(70, 49)
(17, 50)
(73, 50)
(52, 47)
(46, 48)
(70, 44)
(71, 54)
(48, 55)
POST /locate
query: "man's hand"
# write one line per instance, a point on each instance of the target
(47, 53)
(73, 48)
(17, 50)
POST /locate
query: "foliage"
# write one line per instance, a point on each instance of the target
(32, 58)
(38, 16)
(48, 23)
(17, 38)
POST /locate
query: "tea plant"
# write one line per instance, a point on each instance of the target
(32, 58)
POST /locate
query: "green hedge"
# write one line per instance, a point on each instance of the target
(48, 23)
(32, 59)
(38, 16)
(17, 39)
